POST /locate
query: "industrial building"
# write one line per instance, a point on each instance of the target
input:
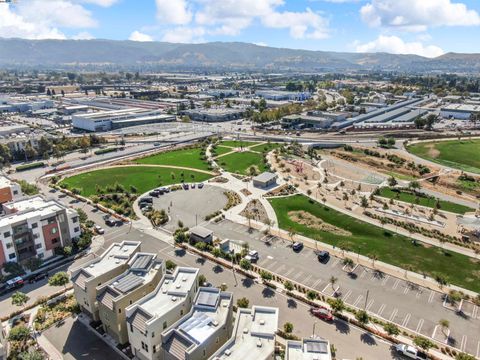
(34, 227)
(142, 277)
(89, 276)
(459, 111)
(214, 115)
(283, 95)
(117, 119)
(149, 317)
(200, 333)
(253, 335)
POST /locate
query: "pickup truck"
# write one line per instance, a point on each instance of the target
(410, 352)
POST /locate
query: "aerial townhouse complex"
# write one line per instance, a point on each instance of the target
(87, 278)
(35, 227)
(148, 318)
(142, 277)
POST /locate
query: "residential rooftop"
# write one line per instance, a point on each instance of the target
(253, 336)
(116, 255)
(171, 292)
(308, 349)
(5, 181)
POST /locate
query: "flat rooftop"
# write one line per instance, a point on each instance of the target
(308, 349)
(116, 255)
(104, 115)
(253, 336)
(5, 182)
(171, 292)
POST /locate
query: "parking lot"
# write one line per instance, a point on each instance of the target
(190, 206)
(393, 299)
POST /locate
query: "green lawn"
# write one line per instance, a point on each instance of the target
(409, 197)
(267, 147)
(184, 157)
(220, 150)
(238, 143)
(142, 177)
(460, 154)
(390, 248)
(240, 162)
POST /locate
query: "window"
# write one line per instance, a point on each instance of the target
(9, 245)
(155, 348)
(218, 339)
(119, 311)
(6, 234)
(75, 219)
(11, 256)
(35, 236)
(54, 231)
(204, 352)
(164, 325)
(77, 229)
(15, 192)
(54, 241)
(181, 312)
(38, 246)
(40, 255)
(153, 334)
(34, 225)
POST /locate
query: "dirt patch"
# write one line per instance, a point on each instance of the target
(307, 219)
(256, 210)
(245, 192)
(432, 151)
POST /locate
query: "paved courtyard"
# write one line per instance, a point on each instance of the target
(190, 206)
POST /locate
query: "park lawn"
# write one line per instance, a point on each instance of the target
(238, 143)
(220, 150)
(144, 178)
(390, 247)
(240, 162)
(189, 157)
(459, 154)
(265, 148)
(408, 197)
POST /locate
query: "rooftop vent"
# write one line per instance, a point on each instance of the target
(262, 322)
(225, 305)
(167, 281)
(184, 279)
(245, 330)
(164, 290)
(117, 261)
(215, 323)
(174, 298)
(92, 265)
(228, 352)
(259, 343)
(178, 286)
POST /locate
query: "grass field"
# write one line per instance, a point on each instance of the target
(459, 154)
(390, 248)
(238, 143)
(220, 150)
(408, 197)
(240, 162)
(142, 177)
(183, 157)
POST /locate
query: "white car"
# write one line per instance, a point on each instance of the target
(99, 229)
(252, 256)
(410, 352)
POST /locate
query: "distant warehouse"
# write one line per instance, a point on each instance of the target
(214, 115)
(459, 111)
(117, 119)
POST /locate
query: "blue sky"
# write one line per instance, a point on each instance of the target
(423, 27)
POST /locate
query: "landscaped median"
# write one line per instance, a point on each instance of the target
(300, 215)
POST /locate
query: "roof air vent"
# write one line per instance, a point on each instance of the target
(262, 322)
(259, 343)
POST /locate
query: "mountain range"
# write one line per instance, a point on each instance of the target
(97, 54)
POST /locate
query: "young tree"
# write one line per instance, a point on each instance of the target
(59, 279)
(245, 264)
(362, 317)
(391, 329)
(333, 281)
(19, 299)
(243, 302)
(288, 327)
(444, 325)
(288, 285)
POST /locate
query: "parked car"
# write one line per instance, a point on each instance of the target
(323, 256)
(185, 186)
(410, 352)
(38, 277)
(252, 256)
(200, 185)
(155, 193)
(156, 144)
(11, 285)
(99, 230)
(322, 313)
(297, 246)
(146, 200)
(193, 186)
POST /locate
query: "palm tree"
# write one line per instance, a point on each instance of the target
(291, 234)
(444, 325)
(373, 257)
(333, 281)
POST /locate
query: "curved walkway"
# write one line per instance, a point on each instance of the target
(164, 166)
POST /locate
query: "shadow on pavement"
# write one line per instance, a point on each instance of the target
(200, 261)
(217, 269)
(341, 326)
(268, 293)
(368, 339)
(180, 252)
(247, 282)
(292, 304)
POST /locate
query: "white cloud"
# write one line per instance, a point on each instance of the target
(184, 34)
(301, 24)
(138, 36)
(395, 45)
(103, 3)
(173, 12)
(418, 15)
(83, 35)
(261, 43)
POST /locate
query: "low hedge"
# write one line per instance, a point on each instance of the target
(30, 166)
(105, 151)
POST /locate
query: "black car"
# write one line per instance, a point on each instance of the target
(297, 246)
(38, 277)
(146, 200)
(200, 185)
(154, 193)
(323, 256)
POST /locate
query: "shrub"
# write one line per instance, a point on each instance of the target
(243, 302)
(288, 285)
(19, 333)
(170, 265)
(106, 150)
(245, 264)
(423, 342)
(288, 327)
(30, 166)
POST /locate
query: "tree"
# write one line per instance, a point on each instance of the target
(362, 317)
(311, 295)
(19, 299)
(463, 356)
(392, 181)
(216, 252)
(19, 333)
(333, 281)
(266, 276)
(423, 343)
(414, 185)
(170, 265)
(373, 257)
(391, 329)
(59, 279)
(31, 355)
(364, 202)
(288, 327)
(337, 305)
(243, 302)
(288, 285)
(245, 264)
(430, 120)
(444, 325)
(202, 280)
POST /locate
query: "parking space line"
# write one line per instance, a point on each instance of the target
(432, 295)
(307, 279)
(272, 265)
(385, 280)
(280, 268)
(463, 343)
(474, 311)
(406, 290)
(380, 310)
(362, 275)
(318, 282)
(325, 288)
(298, 275)
(419, 325)
(395, 284)
(335, 263)
(359, 298)
(289, 272)
(394, 313)
(418, 294)
(369, 305)
(406, 320)
(478, 349)
(347, 295)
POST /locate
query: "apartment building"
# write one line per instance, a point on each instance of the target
(89, 276)
(35, 227)
(9, 190)
(308, 349)
(142, 277)
(253, 335)
(153, 314)
(200, 333)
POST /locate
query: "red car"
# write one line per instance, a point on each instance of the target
(322, 313)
